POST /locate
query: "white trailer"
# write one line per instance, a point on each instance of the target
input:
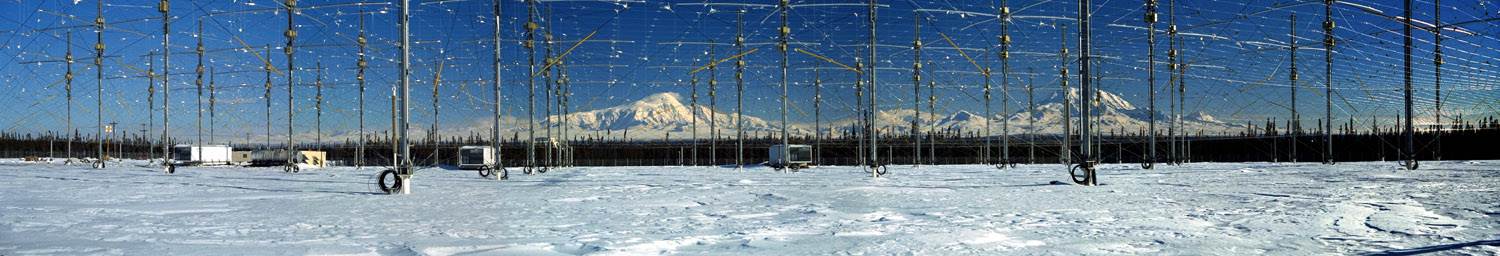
(202, 155)
(793, 156)
(476, 157)
(278, 157)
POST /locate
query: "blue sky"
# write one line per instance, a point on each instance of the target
(1238, 69)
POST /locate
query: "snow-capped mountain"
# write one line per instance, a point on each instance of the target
(1113, 112)
(658, 115)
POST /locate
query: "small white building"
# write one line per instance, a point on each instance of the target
(793, 156)
(475, 157)
(202, 155)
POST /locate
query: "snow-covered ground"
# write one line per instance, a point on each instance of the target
(1234, 208)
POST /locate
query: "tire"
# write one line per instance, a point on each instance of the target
(395, 185)
(484, 172)
(1074, 175)
(1147, 165)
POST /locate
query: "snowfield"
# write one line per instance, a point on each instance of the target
(1202, 208)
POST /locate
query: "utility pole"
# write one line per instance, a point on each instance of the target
(166, 88)
(1151, 19)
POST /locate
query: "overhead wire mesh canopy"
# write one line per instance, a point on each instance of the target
(618, 54)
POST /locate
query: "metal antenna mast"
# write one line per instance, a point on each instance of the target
(786, 32)
(359, 76)
(1066, 154)
(498, 170)
(151, 104)
(1409, 151)
(403, 166)
(198, 82)
(1296, 123)
(291, 83)
(1328, 81)
(267, 97)
(530, 44)
(98, 80)
(916, 90)
(1031, 128)
(693, 111)
(1182, 101)
(318, 106)
(713, 106)
(1087, 163)
(166, 89)
(862, 128)
(817, 118)
(68, 88)
(1151, 19)
(550, 61)
(1173, 66)
(874, 160)
(212, 101)
(932, 121)
(739, 95)
(1437, 79)
(1004, 83)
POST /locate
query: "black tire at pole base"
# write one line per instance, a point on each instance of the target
(484, 172)
(879, 170)
(1087, 178)
(395, 184)
(1147, 165)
